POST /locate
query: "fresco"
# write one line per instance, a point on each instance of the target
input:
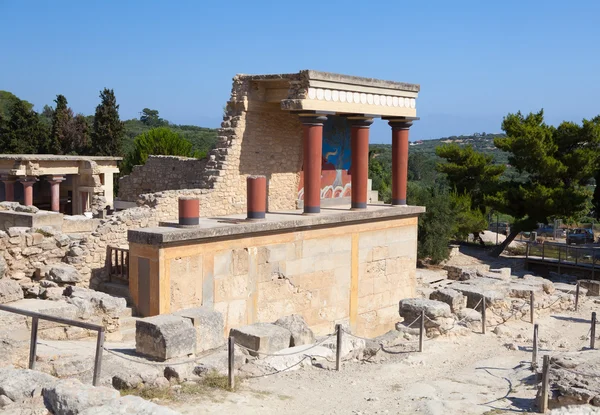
(336, 160)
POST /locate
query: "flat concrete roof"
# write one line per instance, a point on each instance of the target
(237, 225)
(55, 157)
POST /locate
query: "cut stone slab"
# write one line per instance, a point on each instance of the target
(570, 288)
(427, 276)
(433, 309)
(295, 358)
(546, 284)
(453, 298)
(262, 337)
(524, 291)
(209, 326)
(58, 308)
(301, 333)
(575, 378)
(505, 273)
(10, 290)
(71, 397)
(94, 302)
(165, 337)
(64, 273)
(18, 384)
(130, 405)
(468, 315)
(592, 286)
(474, 294)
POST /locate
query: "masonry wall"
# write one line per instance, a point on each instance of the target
(353, 273)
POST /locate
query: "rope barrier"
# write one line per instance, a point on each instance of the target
(286, 354)
(162, 364)
(279, 371)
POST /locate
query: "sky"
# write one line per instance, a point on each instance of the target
(476, 61)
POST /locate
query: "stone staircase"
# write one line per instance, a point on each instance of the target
(128, 318)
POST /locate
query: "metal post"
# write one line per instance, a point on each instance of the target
(497, 228)
(231, 361)
(543, 404)
(98, 360)
(559, 251)
(33, 342)
(527, 250)
(338, 347)
(421, 330)
(535, 347)
(543, 250)
(483, 314)
(593, 263)
(577, 296)
(531, 306)
(593, 331)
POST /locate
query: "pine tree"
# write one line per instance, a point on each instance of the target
(107, 132)
(24, 133)
(60, 121)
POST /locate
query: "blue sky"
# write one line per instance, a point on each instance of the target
(475, 60)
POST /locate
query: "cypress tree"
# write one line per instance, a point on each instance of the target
(60, 121)
(107, 132)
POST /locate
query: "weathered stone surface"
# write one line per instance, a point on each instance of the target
(455, 271)
(575, 379)
(411, 308)
(301, 333)
(593, 287)
(505, 273)
(17, 384)
(91, 301)
(475, 292)
(64, 273)
(262, 337)
(10, 291)
(164, 337)
(5, 401)
(468, 315)
(468, 274)
(58, 308)
(3, 267)
(524, 290)
(546, 284)
(17, 231)
(570, 288)
(351, 346)
(209, 326)
(71, 397)
(130, 405)
(297, 360)
(453, 298)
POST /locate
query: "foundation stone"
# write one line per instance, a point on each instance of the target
(301, 333)
(164, 337)
(453, 298)
(262, 337)
(209, 326)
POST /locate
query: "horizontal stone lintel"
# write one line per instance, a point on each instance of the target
(277, 222)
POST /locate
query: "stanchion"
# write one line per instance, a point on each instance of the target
(593, 331)
(535, 347)
(543, 404)
(422, 330)
(531, 306)
(577, 296)
(483, 314)
(338, 348)
(230, 349)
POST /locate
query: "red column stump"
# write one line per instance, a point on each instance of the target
(256, 197)
(189, 211)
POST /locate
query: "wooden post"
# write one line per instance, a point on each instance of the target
(577, 296)
(593, 264)
(33, 342)
(543, 250)
(543, 404)
(422, 330)
(593, 331)
(531, 306)
(98, 359)
(483, 307)
(527, 250)
(338, 347)
(535, 347)
(231, 361)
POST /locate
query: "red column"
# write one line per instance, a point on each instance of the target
(313, 158)
(28, 190)
(55, 192)
(399, 160)
(189, 211)
(359, 170)
(256, 197)
(84, 200)
(9, 189)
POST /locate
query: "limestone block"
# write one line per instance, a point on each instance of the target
(453, 298)
(209, 326)
(468, 315)
(3, 267)
(592, 286)
(301, 333)
(524, 290)
(240, 261)
(433, 309)
(70, 396)
(17, 231)
(17, 384)
(131, 405)
(547, 285)
(64, 273)
(262, 337)
(164, 337)
(505, 273)
(10, 290)
(475, 293)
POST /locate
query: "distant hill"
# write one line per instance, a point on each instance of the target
(482, 142)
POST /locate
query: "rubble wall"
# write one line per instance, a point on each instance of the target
(352, 273)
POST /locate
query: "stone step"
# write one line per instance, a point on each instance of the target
(116, 290)
(128, 334)
(127, 322)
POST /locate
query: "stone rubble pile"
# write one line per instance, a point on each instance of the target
(574, 379)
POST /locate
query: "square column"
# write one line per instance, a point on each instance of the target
(313, 159)
(9, 188)
(27, 183)
(400, 129)
(359, 170)
(55, 192)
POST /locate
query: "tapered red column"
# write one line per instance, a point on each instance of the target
(9, 189)
(55, 192)
(28, 190)
(359, 170)
(313, 157)
(399, 160)
(84, 201)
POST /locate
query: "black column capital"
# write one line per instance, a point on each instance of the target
(360, 122)
(312, 119)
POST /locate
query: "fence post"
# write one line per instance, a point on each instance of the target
(576, 295)
(535, 347)
(338, 347)
(593, 264)
(98, 360)
(33, 342)
(527, 250)
(543, 250)
(483, 314)
(421, 330)
(531, 305)
(544, 395)
(593, 331)
(231, 361)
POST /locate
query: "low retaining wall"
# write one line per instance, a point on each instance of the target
(9, 219)
(337, 267)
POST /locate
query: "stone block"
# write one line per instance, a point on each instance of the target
(64, 273)
(209, 326)
(70, 396)
(474, 294)
(58, 308)
(3, 267)
(505, 273)
(10, 290)
(592, 287)
(262, 337)
(453, 298)
(301, 333)
(131, 405)
(433, 309)
(240, 261)
(17, 384)
(164, 337)
(546, 284)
